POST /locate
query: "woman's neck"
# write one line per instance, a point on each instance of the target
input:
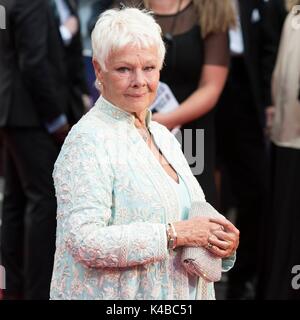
(140, 119)
(167, 6)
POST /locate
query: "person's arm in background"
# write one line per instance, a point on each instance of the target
(211, 84)
(31, 45)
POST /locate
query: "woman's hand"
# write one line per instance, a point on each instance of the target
(195, 232)
(224, 241)
(218, 235)
(72, 25)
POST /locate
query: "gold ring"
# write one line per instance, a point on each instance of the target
(209, 245)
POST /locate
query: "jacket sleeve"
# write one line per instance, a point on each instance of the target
(228, 263)
(84, 179)
(31, 42)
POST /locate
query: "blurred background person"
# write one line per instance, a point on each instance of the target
(68, 23)
(196, 67)
(275, 12)
(241, 147)
(96, 9)
(282, 231)
(41, 87)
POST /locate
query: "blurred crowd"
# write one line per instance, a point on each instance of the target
(233, 66)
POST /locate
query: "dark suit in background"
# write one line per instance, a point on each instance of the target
(241, 145)
(97, 8)
(274, 17)
(40, 82)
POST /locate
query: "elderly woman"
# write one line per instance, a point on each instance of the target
(123, 186)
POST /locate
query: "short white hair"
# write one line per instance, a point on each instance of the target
(118, 28)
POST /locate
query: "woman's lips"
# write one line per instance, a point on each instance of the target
(136, 95)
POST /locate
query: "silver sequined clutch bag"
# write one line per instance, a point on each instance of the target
(198, 260)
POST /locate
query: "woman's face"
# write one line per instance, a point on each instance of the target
(131, 79)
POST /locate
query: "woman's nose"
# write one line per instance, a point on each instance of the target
(139, 79)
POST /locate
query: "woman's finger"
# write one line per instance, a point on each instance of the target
(218, 252)
(228, 226)
(213, 240)
(225, 236)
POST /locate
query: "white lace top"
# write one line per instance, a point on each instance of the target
(114, 200)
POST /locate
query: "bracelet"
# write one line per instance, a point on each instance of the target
(171, 236)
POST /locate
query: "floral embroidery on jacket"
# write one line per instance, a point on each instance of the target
(113, 203)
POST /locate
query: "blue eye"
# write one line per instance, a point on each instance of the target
(123, 69)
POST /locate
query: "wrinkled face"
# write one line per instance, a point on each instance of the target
(131, 79)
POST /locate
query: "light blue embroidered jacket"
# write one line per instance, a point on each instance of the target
(114, 200)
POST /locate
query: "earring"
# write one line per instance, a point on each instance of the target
(99, 83)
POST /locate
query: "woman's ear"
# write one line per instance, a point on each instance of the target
(98, 69)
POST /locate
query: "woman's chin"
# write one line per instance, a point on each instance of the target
(137, 104)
